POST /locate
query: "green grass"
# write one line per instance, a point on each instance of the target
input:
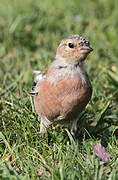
(30, 32)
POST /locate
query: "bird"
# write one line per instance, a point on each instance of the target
(62, 91)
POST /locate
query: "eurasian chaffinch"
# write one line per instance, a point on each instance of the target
(63, 90)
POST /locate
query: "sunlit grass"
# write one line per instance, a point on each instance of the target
(30, 32)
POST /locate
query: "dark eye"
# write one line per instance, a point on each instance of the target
(71, 45)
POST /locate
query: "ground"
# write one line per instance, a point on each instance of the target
(30, 32)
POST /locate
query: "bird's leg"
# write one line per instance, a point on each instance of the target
(43, 125)
(74, 128)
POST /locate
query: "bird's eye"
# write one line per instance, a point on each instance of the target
(71, 45)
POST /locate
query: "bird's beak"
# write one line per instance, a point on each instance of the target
(86, 49)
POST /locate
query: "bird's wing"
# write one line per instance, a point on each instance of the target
(38, 77)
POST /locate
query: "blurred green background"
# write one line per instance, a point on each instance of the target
(30, 31)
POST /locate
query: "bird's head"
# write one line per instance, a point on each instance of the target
(74, 49)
